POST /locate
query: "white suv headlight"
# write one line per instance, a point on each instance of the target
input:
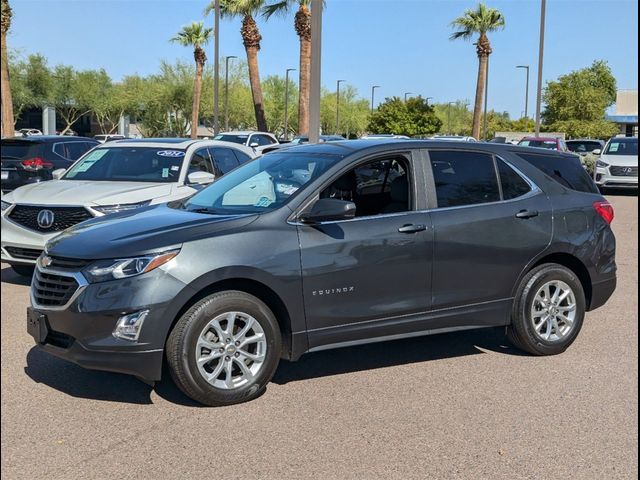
(122, 207)
(5, 205)
(104, 270)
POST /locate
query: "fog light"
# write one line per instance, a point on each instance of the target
(129, 326)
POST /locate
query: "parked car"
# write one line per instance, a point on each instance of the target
(33, 158)
(383, 136)
(617, 166)
(454, 138)
(25, 132)
(583, 146)
(259, 141)
(296, 252)
(115, 177)
(108, 137)
(550, 143)
(300, 139)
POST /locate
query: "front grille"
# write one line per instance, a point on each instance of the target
(23, 253)
(63, 217)
(73, 264)
(617, 171)
(51, 290)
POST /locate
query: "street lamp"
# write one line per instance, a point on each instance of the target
(406, 95)
(449, 116)
(286, 103)
(226, 92)
(526, 94)
(216, 69)
(543, 6)
(338, 105)
(316, 70)
(373, 89)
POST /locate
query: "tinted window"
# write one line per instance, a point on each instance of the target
(464, 178)
(583, 147)
(242, 157)
(262, 140)
(200, 162)
(224, 159)
(21, 150)
(548, 144)
(61, 150)
(622, 146)
(76, 149)
(567, 171)
(241, 139)
(513, 185)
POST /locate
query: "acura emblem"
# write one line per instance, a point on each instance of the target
(45, 218)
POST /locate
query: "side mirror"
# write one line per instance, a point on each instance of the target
(57, 174)
(329, 209)
(200, 178)
(254, 144)
(597, 151)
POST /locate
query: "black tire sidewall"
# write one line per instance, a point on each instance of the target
(197, 318)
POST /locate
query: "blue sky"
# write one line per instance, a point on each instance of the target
(401, 45)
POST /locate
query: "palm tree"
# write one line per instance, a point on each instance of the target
(195, 35)
(248, 9)
(7, 102)
(479, 21)
(302, 26)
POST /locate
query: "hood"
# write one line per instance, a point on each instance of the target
(139, 231)
(79, 192)
(620, 160)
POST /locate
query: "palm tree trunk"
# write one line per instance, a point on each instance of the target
(251, 38)
(303, 28)
(197, 89)
(7, 101)
(477, 109)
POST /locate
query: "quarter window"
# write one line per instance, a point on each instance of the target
(464, 178)
(566, 170)
(513, 185)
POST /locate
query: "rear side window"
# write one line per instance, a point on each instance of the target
(60, 149)
(567, 171)
(513, 185)
(76, 149)
(224, 159)
(464, 178)
(242, 157)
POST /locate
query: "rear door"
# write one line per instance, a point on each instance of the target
(490, 222)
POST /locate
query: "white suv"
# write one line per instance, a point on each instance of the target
(117, 176)
(617, 166)
(261, 142)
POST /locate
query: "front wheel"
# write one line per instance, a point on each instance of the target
(548, 310)
(224, 349)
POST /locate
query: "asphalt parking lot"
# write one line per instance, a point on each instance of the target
(463, 405)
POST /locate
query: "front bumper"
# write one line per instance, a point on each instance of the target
(605, 179)
(19, 245)
(82, 332)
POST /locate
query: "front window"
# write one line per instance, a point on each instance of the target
(241, 139)
(583, 147)
(622, 146)
(548, 144)
(261, 185)
(128, 164)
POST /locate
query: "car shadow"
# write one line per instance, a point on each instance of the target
(7, 275)
(78, 382)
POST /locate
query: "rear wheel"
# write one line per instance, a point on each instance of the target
(224, 349)
(23, 270)
(548, 311)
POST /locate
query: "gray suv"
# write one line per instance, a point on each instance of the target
(325, 246)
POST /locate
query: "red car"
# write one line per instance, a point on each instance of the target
(549, 143)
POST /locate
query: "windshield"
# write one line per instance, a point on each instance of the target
(128, 164)
(624, 146)
(549, 144)
(583, 147)
(20, 149)
(241, 139)
(261, 185)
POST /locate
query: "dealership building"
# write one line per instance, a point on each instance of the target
(626, 112)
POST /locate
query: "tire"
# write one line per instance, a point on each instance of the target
(196, 326)
(23, 270)
(530, 331)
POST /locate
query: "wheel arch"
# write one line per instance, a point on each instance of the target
(574, 264)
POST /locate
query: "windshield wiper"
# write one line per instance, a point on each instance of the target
(210, 211)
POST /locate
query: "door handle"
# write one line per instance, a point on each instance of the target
(527, 214)
(412, 228)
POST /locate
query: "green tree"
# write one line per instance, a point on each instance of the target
(274, 92)
(354, 112)
(5, 84)
(247, 10)
(73, 93)
(30, 83)
(479, 22)
(524, 124)
(195, 35)
(575, 103)
(413, 117)
(456, 118)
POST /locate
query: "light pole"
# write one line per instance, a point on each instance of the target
(226, 92)
(373, 90)
(406, 94)
(216, 69)
(449, 116)
(526, 90)
(338, 105)
(543, 6)
(286, 103)
(316, 70)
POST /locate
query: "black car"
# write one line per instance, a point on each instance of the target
(330, 245)
(32, 159)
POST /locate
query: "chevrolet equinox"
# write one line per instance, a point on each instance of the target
(330, 245)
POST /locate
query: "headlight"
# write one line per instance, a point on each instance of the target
(105, 270)
(600, 163)
(122, 207)
(5, 205)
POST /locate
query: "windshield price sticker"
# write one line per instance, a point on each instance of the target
(171, 153)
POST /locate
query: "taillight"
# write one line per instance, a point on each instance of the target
(36, 163)
(605, 210)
